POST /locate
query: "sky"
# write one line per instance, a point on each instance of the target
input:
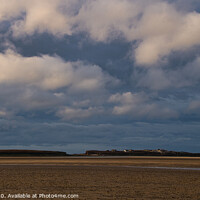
(79, 75)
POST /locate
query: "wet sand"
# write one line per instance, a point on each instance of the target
(102, 178)
(111, 161)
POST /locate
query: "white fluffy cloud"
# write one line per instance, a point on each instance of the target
(139, 106)
(105, 20)
(30, 16)
(176, 32)
(50, 73)
(157, 25)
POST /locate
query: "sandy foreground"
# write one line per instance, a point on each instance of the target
(102, 178)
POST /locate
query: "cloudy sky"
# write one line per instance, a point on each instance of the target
(98, 74)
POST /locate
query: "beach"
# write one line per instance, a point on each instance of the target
(102, 178)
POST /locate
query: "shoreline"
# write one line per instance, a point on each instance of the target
(173, 162)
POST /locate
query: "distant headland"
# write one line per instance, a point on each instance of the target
(113, 152)
(27, 153)
(131, 152)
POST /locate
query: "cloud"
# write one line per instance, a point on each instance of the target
(50, 73)
(194, 105)
(182, 35)
(29, 17)
(43, 16)
(161, 78)
(154, 79)
(70, 113)
(194, 108)
(101, 19)
(5, 114)
(79, 138)
(139, 106)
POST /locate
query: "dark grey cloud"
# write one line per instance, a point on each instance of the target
(78, 138)
(192, 5)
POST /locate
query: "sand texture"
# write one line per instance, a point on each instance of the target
(102, 182)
